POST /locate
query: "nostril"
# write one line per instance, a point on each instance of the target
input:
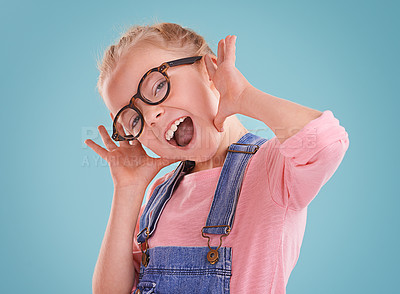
(158, 115)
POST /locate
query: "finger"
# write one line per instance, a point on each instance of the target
(230, 49)
(138, 147)
(221, 53)
(121, 131)
(108, 142)
(136, 144)
(219, 121)
(210, 66)
(96, 148)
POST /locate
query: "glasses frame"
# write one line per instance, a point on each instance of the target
(163, 70)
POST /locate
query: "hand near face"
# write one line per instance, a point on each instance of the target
(129, 163)
(227, 79)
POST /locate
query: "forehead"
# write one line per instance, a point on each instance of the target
(124, 80)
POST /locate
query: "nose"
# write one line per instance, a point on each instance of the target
(151, 113)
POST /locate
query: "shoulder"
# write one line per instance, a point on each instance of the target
(157, 182)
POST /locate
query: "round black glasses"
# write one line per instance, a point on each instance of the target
(153, 89)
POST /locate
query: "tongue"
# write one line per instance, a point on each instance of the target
(184, 133)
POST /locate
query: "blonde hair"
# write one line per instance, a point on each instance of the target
(167, 36)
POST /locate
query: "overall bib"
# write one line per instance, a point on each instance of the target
(197, 270)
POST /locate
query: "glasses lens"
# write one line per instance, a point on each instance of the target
(131, 122)
(154, 87)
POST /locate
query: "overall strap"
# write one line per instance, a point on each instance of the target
(222, 212)
(159, 198)
(225, 197)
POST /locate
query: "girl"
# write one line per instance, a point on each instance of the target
(231, 217)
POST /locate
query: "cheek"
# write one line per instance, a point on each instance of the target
(149, 140)
(197, 99)
(208, 102)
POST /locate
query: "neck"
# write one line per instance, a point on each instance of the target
(234, 130)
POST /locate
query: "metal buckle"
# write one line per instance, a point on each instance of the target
(248, 152)
(213, 255)
(145, 255)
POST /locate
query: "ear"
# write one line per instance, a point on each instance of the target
(209, 63)
(204, 72)
(213, 58)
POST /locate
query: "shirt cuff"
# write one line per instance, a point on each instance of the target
(313, 137)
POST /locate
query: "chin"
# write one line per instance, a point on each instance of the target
(205, 149)
(202, 148)
(204, 156)
(198, 156)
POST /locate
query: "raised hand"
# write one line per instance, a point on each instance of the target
(129, 163)
(227, 79)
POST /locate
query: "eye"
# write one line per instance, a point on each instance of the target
(135, 121)
(159, 86)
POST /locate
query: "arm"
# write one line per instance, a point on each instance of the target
(298, 168)
(237, 95)
(308, 147)
(132, 171)
(283, 117)
(114, 270)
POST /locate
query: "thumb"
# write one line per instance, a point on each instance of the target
(219, 121)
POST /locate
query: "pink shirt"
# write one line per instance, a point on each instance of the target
(280, 181)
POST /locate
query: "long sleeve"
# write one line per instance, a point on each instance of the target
(298, 168)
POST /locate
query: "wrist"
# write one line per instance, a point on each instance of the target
(131, 196)
(130, 187)
(243, 99)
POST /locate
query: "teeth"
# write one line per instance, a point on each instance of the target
(170, 133)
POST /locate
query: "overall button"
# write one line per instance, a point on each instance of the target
(212, 256)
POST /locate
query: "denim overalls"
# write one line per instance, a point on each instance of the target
(173, 269)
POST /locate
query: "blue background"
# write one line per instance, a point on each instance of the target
(56, 193)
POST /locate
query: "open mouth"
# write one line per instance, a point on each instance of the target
(183, 134)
